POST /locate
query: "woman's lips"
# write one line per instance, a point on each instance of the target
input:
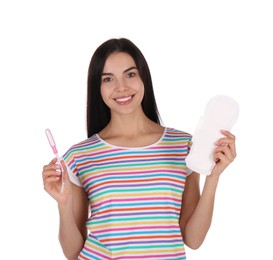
(123, 100)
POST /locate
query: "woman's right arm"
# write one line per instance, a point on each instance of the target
(73, 209)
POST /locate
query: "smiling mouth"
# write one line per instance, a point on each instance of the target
(123, 100)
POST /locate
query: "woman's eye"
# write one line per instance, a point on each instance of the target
(131, 74)
(107, 79)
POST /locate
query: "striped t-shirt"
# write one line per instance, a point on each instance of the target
(134, 195)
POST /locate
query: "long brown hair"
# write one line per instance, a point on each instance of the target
(98, 114)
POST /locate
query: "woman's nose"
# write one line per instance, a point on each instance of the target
(121, 85)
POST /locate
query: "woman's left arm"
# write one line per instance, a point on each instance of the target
(197, 211)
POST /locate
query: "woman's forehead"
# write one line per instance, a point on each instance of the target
(118, 61)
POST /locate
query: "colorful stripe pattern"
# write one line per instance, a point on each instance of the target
(134, 195)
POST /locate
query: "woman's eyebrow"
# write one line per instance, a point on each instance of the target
(106, 74)
(111, 74)
(131, 68)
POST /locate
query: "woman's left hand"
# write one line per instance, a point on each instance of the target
(224, 153)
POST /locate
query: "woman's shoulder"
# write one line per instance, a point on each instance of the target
(83, 145)
(177, 133)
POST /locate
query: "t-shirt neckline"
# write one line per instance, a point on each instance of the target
(136, 147)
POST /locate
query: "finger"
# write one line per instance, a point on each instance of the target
(233, 148)
(229, 137)
(221, 163)
(224, 141)
(49, 167)
(228, 134)
(227, 141)
(52, 179)
(49, 173)
(51, 170)
(51, 182)
(52, 185)
(65, 170)
(224, 154)
(53, 161)
(63, 165)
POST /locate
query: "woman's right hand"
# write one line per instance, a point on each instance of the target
(52, 179)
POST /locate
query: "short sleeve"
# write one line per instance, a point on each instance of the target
(71, 170)
(189, 171)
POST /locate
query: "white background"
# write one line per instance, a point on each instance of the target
(195, 50)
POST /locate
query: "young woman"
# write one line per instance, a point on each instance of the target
(127, 191)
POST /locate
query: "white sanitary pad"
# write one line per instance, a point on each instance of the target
(221, 113)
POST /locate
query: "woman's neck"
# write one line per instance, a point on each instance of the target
(129, 126)
(125, 132)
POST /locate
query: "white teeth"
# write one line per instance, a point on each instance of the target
(123, 99)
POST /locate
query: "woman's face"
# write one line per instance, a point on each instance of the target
(122, 89)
